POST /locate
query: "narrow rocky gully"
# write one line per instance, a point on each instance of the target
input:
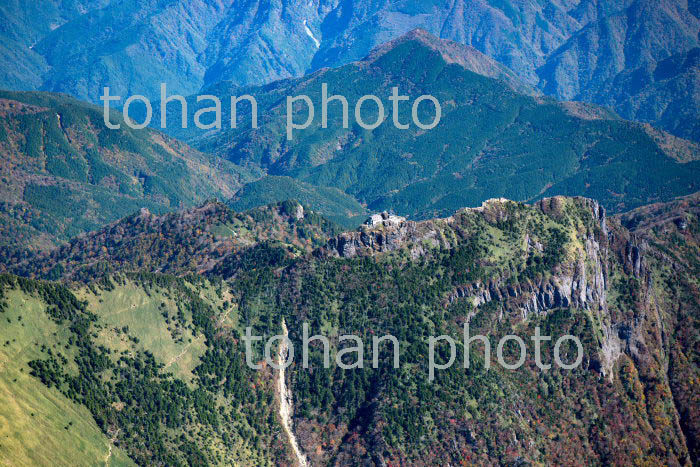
(286, 407)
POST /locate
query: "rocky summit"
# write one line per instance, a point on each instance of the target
(626, 286)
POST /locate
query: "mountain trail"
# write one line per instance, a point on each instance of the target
(179, 356)
(111, 444)
(286, 409)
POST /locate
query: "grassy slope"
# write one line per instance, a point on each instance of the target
(128, 305)
(33, 418)
(172, 342)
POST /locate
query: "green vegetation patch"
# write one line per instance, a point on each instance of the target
(39, 425)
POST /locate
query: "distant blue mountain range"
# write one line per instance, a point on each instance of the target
(639, 57)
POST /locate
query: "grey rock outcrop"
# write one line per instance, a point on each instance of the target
(388, 237)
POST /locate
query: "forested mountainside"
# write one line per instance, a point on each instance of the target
(191, 43)
(332, 203)
(492, 140)
(640, 60)
(159, 363)
(196, 240)
(23, 23)
(637, 56)
(63, 172)
(152, 282)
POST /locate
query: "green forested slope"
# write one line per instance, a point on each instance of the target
(190, 241)
(63, 172)
(330, 202)
(492, 140)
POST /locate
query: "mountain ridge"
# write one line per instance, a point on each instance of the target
(563, 266)
(492, 141)
(196, 240)
(560, 48)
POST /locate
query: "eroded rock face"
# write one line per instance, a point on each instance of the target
(580, 284)
(367, 241)
(582, 281)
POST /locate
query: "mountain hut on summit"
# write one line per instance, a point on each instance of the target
(385, 218)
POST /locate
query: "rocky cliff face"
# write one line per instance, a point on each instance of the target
(582, 281)
(630, 286)
(367, 241)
